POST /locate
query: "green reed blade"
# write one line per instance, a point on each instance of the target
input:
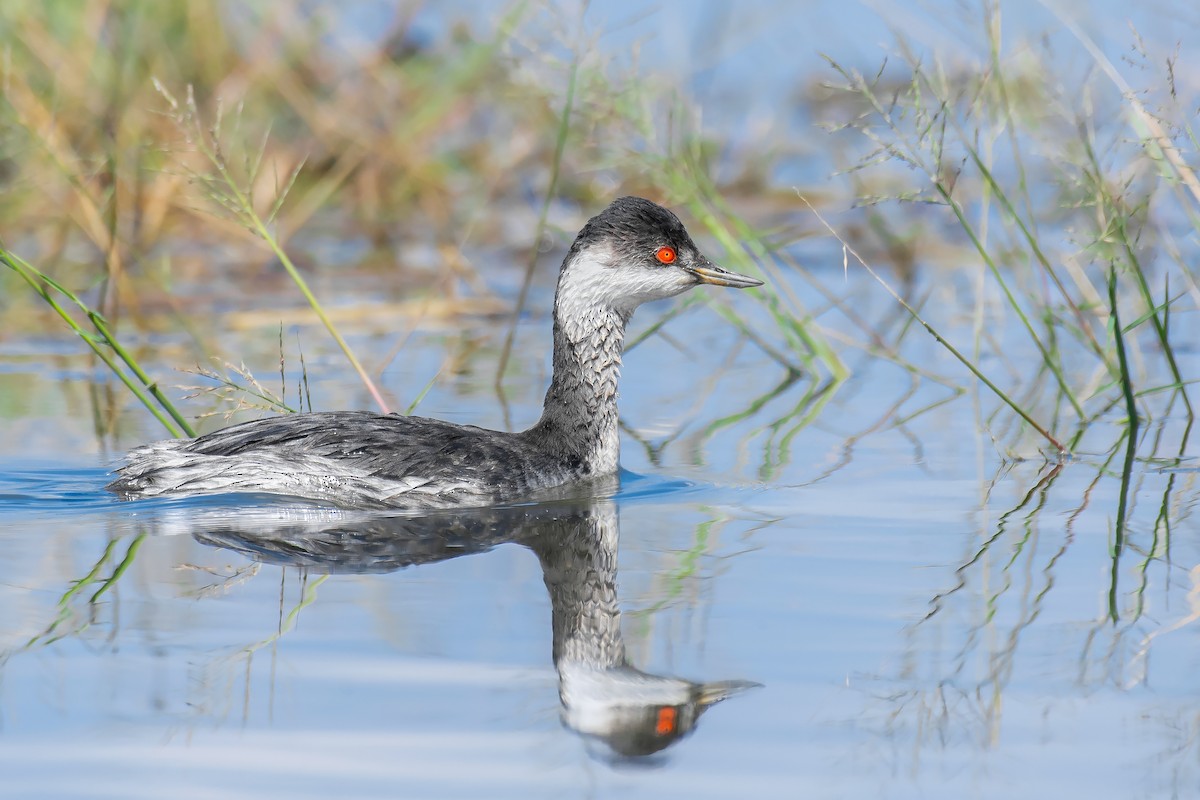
(560, 147)
(156, 402)
(937, 336)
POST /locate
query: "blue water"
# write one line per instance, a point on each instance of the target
(933, 606)
(919, 630)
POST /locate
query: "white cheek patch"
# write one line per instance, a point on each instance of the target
(648, 283)
(587, 283)
(592, 280)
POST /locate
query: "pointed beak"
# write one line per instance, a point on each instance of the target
(713, 693)
(708, 272)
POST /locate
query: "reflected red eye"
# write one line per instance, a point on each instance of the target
(666, 255)
(664, 724)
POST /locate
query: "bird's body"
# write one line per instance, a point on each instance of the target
(632, 252)
(390, 460)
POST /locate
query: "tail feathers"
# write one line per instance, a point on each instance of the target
(195, 475)
(171, 467)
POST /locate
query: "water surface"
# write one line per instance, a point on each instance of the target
(929, 612)
(931, 603)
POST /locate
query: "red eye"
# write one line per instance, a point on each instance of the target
(666, 255)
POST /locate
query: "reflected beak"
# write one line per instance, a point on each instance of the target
(712, 693)
(708, 272)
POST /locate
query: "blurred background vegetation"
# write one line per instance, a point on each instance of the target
(161, 160)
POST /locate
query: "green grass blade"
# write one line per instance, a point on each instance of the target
(156, 402)
(1022, 413)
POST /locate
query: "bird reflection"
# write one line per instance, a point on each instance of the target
(603, 697)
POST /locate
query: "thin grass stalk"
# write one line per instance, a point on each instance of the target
(1035, 248)
(1130, 450)
(993, 20)
(1160, 542)
(691, 178)
(1022, 413)
(1119, 342)
(1119, 526)
(261, 229)
(656, 326)
(228, 388)
(683, 174)
(243, 207)
(750, 410)
(132, 363)
(560, 147)
(308, 596)
(64, 601)
(938, 601)
(121, 568)
(736, 320)
(1160, 324)
(39, 122)
(911, 158)
(1184, 174)
(1121, 219)
(1054, 367)
(673, 582)
(791, 324)
(156, 402)
(428, 385)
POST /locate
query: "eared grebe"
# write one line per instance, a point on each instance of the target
(632, 252)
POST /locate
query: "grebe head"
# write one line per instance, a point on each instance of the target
(635, 251)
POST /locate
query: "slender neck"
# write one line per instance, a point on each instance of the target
(579, 419)
(579, 565)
